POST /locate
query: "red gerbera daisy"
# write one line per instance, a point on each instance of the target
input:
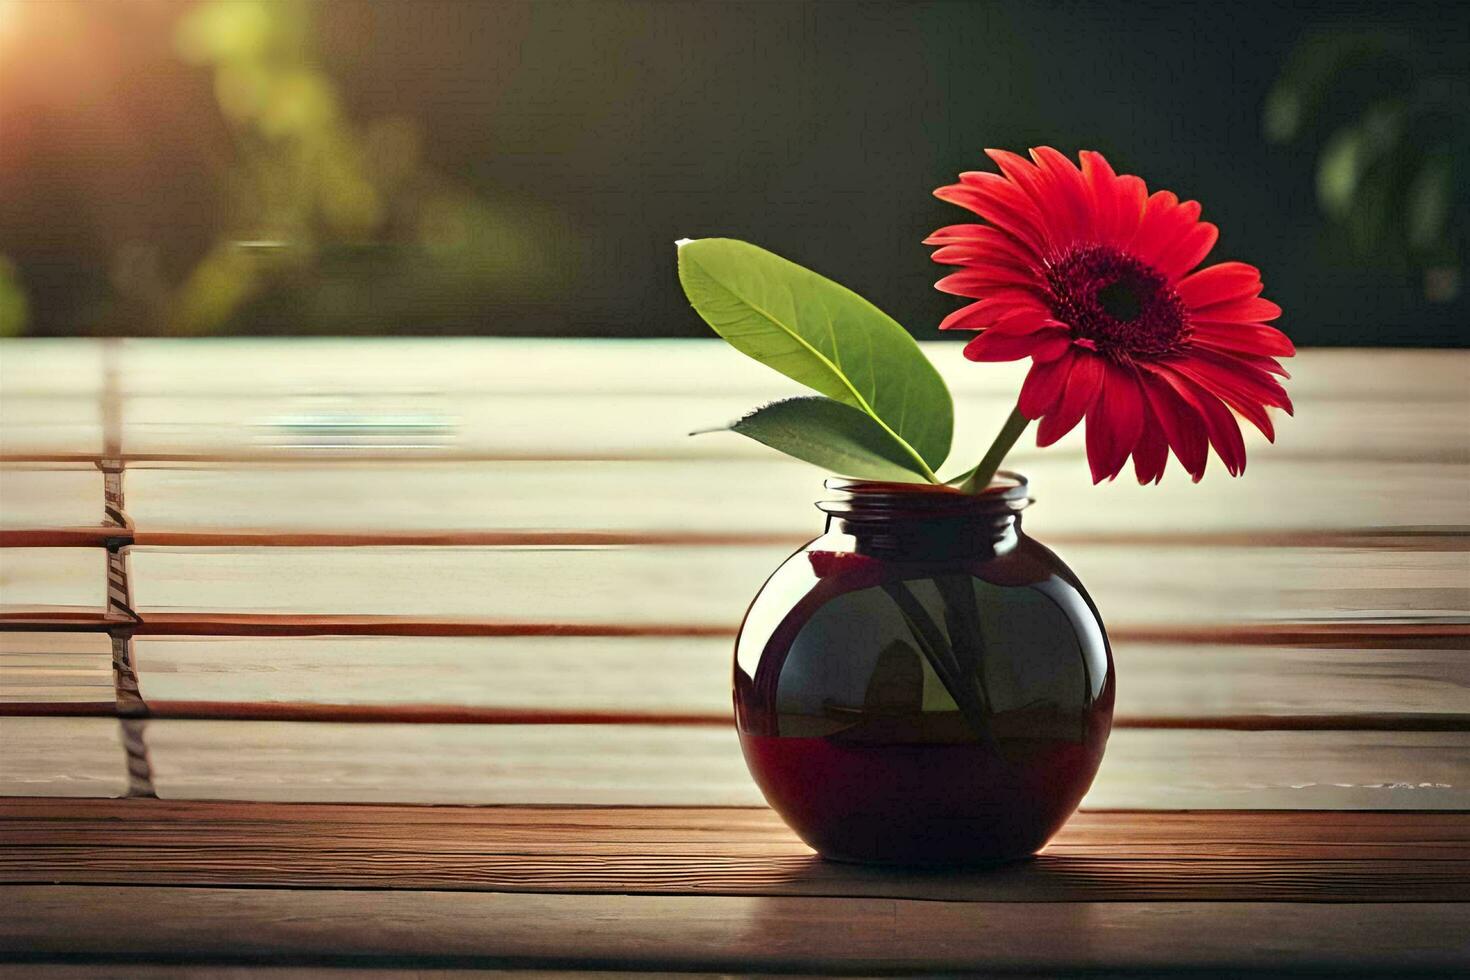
(1090, 276)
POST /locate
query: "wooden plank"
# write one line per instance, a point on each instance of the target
(696, 766)
(689, 678)
(509, 398)
(636, 674)
(1299, 834)
(685, 366)
(498, 764)
(1111, 856)
(657, 426)
(61, 757)
(221, 503)
(594, 424)
(47, 427)
(52, 581)
(49, 496)
(710, 587)
(56, 668)
(1164, 681)
(438, 929)
(1431, 635)
(50, 366)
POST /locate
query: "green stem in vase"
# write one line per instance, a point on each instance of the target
(979, 478)
(957, 680)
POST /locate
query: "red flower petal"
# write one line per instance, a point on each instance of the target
(1252, 310)
(1017, 322)
(1114, 423)
(1132, 194)
(987, 313)
(1160, 221)
(951, 234)
(984, 281)
(958, 254)
(1002, 244)
(1000, 203)
(1244, 388)
(1220, 425)
(984, 315)
(972, 317)
(1098, 175)
(1043, 386)
(1151, 454)
(1219, 283)
(995, 345)
(1183, 425)
(1250, 338)
(982, 257)
(1189, 251)
(1024, 174)
(1069, 218)
(1251, 380)
(1261, 362)
(1252, 411)
(1083, 384)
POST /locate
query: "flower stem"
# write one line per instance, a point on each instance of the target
(979, 478)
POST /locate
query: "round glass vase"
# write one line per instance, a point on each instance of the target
(923, 684)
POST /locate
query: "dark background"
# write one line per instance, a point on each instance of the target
(525, 169)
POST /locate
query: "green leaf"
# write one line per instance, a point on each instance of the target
(823, 335)
(834, 436)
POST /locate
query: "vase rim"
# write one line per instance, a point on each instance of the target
(1008, 493)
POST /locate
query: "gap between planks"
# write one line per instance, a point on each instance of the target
(446, 714)
(1361, 635)
(1389, 538)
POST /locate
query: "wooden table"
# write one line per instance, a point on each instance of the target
(263, 601)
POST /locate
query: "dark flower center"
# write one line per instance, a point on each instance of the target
(1116, 305)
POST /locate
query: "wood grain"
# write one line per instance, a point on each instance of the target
(1104, 856)
(55, 668)
(72, 757)
(646, 933)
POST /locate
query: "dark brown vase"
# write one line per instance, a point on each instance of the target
(923, 684)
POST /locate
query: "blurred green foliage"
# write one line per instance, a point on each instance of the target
(1388, 115)
(13, 307)
(518, 167)
(312, 192)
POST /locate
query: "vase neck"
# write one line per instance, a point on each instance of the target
(923, 521)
